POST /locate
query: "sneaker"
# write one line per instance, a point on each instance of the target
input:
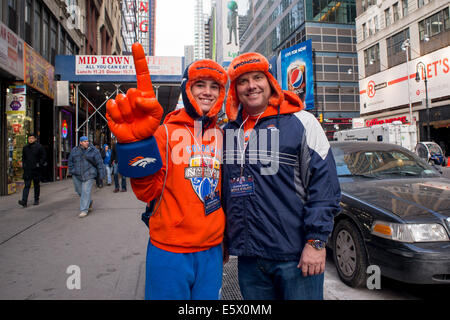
(123, 190)
(90, 206)
(23, 203)
(83, 214)
(36, 202)
(116, 190)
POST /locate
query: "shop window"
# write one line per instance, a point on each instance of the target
(19, 125)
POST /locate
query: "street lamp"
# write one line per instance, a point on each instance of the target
(405, 47)
(424, 72)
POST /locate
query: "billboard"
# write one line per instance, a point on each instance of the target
(234, 16)
(390, 88)
(11, 52)
(124, 65)
(295, 72)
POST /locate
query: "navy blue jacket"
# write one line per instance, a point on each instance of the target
(296, 189)
(81, 167)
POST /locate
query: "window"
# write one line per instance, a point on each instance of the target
(37, 27)
(53, 33)
(405, 7)
(387, 17)
(372, 55)
(365, 35)
(395, 11)
(28, 32)
(375, 24)
(434, 24)
(45, 35)
(394, 48)
(420, 3)
(12, 15)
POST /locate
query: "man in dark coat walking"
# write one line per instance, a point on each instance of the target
(33, 160)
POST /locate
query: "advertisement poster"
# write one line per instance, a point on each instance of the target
(16, 100)
(39, 74)
(124, 65)
(381, 91)
(296, 72)
(11, 52)
(232, 26)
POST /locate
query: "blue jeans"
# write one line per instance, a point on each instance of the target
(262, 279)
(108, 174)
(183, 276)
(83, 188)
(116, 177)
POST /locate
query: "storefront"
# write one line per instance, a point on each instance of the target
(387, 95)
(439, 126)
(16, 111)
(27, 107)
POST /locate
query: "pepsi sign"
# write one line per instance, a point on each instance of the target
(296, 72)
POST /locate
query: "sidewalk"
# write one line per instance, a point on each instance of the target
(39, 243)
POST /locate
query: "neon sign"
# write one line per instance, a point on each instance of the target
(64, 129)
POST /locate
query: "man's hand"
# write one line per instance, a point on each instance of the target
(312, 261)
(136, 115)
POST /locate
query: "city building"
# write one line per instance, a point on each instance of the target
(188, 55)
(199, 30)
(32, 34)
(403, 54)
(269, 26)
(138, 24)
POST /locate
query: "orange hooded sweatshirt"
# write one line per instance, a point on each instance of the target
(181, 224)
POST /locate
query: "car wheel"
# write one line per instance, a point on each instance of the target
(349, 254)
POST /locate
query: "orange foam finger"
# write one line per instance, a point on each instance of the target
(144, 81)
(150, 106)
(113, 110)
(125, 108)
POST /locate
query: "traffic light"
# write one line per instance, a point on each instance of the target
(320, 117)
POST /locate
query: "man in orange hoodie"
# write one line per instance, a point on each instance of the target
(175, 169)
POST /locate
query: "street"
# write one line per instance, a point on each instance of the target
(43, 248)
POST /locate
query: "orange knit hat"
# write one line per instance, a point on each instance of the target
(202, 69)
(249, 62)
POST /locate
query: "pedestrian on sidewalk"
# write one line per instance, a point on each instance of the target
(106, 162)
(279, 213)
(180, 181)
(33, 160)
(98, 179)
(115, 170)
(85, 163)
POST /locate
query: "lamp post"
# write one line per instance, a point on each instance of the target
(405, 47)
(424, 70)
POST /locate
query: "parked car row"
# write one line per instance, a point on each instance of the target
(395, 214)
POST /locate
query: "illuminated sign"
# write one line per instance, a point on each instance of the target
(64, 129)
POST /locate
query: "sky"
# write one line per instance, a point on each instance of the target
(175, 26)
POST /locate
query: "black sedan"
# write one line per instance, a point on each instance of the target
(395, 215)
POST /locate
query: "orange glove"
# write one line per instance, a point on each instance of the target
(136, 115)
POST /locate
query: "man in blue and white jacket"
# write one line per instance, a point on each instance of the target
(280, 186)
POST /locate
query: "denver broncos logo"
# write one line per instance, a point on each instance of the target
(141, 161)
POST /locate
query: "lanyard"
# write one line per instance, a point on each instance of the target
(242, 152)
(200, 147)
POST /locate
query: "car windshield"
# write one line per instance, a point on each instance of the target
(381, 164)
(434, 148)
